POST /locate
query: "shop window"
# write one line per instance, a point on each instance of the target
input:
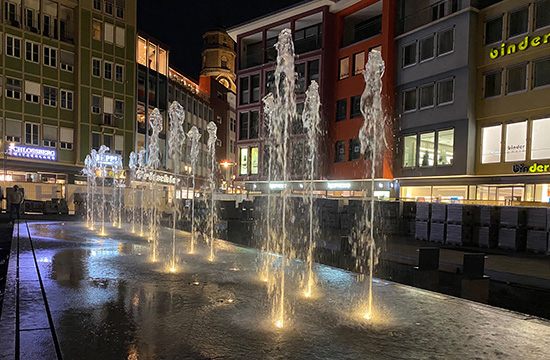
(66, 138)
(355, 107)
(243, 161)
(13, 88)
(445, 92)
(445, 41)
(66, 99)
(409, 151)
(254, 124)
(13, 131)
(445, 147)
(50, 96)
(516, 79)
(243, 126)
(409, 54)
(409, 100)
(516, 142)
(244, 92)
(540, 146)
(542, 14)
(96, 104)
(31, 51)
(255, 82)
(13, 46)
(340, 151)
(343, 71)
(341, 109)
(518, 22)
(491, 138)
(253, 160)
(312, 71)
(108, 70)
(541, 72)
(427, 145)
(32, 91)
(427, 96)
(493, 31)
(358, 63)
(354, 150)
(426, 48)
(49, 136)
(31, 134)
(96, 30)
(492, 84)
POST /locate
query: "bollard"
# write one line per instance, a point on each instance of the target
(475, 285)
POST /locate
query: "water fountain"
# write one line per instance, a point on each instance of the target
(116, 167)
(133, 165)
(153, 162)
(194, 135)
(175, 143)
(88, 171)
(212, 137)
(102, 165)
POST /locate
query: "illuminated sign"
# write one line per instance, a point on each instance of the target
(109, 159)
(512, 48)
(339, 186)
(32, 152)
(158, 178)
(277, 186)
(535, 168)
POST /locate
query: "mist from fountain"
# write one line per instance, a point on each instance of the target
(153, 163)
(211, 144)
(195, 136)
(132, 164)
(88, 171)
(102, 165)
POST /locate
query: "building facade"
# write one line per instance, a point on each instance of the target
(218, 58)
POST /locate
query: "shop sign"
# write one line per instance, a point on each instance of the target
(32, 152)
(535, 168)
(523, 45)
(158, 178)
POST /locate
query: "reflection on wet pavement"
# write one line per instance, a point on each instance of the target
(110, 301)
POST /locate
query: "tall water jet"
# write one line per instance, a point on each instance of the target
(370, 136)
(103, 171)
(212, 137)
(141, 169)
(132, 164)
(194, 135)
(88, 171)
(284, 110)
(311, 120)
(116, 167)
(120, 182)
(175, 143)
(94, 167)
(153, 163)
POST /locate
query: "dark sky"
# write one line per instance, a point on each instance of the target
(181, 23)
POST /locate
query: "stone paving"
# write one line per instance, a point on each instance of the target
(74, 295)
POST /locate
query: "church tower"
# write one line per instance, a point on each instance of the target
(218, 58)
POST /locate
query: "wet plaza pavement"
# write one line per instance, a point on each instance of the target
(82, 296)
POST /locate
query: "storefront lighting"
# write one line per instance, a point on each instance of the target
(277, 186)
(339, 186)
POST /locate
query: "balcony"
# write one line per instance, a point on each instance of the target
(414, 17)
(362, 25)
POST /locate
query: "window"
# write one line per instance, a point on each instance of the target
(426, 49)
(427, 145)
(445, 147)
(254, 124)
(119, 144)
(119, 73)
(50, 56)
(243, 161)
(540, 146)
(243, 126)
(307, 39)
(96, 67)
(516, 142)
(96, 140)
(121, 37)
(219, 119)
(108, 141)
(50, 96)
(541, 73)
(96, 104)
(409, 54)
(233, 124)
(120, 6)
(97, 5)
(518, 22)
(409, 100)
(66, 61)
(66, 138)
(31, 51)
(340, 151)
(255, 80)
(312, 71)
(493, 84)
(409, 151)
(355, 107)
(31, 134)
(427, 96)
(445, 92)
(300, 70)
(491, 138)
(13, 131)
(13, 46)
(493, 31)
(445, 41)
(66, 99)
(119, 109)
(109, 7)
(11, 13)
(244, 91)
(96, 30)
(358, 63)
(108, 70)
(253, 160)
(516, 79)
(542, 14)
(343, 71)
(354, 150)
(341, 109)
(32, 91)
(49, 136)
(29, 20)
(13, 88)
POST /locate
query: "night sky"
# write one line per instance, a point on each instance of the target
(181, 23)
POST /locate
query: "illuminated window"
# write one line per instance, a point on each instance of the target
(516, 142)
(163, 61)
(142, 51)
(540, 146)
(254, 160)
(358, 63)
(409, 151)
(243, 161)
(491, 138)
(445, 147)
(152, 56)
(426, 151)
(343, 68)
(96, 30)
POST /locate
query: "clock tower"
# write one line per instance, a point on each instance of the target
(218, 58)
